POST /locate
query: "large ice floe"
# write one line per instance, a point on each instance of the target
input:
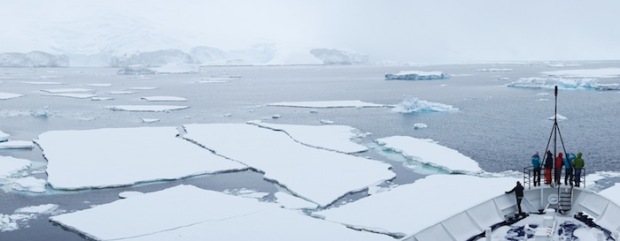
(429, 152)
(332, 137)
(417, 75)
(317, 175)
(562, 83)
(586, 73)
(163, 98)
(6, 96)
(16, 145)
(411, 104)
(68, 90)
(206, 215)
(146, 108)
(612, 193)
(10, 165)
(327, 104)
(408, 209)
(124, 156)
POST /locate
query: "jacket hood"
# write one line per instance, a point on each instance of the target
(560, 155)
(579, 155)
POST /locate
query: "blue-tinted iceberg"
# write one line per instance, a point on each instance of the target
(417, 75)
(562, 83)
(412, 104)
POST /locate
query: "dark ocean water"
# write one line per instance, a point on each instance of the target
(498, 126)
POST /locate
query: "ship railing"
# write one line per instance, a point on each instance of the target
(528, 177)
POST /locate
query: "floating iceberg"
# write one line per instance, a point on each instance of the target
(136, 70)
(417, 75)
(124, 156)
(495, 70)
(163, 98)
(189, 213)
(4, 136)
(586, 73)
(6, 96)
(418, 126)
(562, 83)
(332, 137)
(339, 57)
(147, 108)
(412, 104)
(318, 175)
(410, 208)
(327, 104)
(74, 95)
(560, 117)
(429, 152)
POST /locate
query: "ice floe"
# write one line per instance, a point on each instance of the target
(586, 73)
(42, 83)
(418, 126)
(327, 104)
(429, 152)
(121, 92)
(143, 88)
(99, 85)
(16, 145)
(410, 208)
(205, 215)
(318, 175)
(101, 98)
(149, 120)
(10, 165)
(163, 98)
(291, 202)
(4, 136)
(332, 137)
(417, 75)
(26, 184)
(22, 215)
(68, 90)
(560, 117)
(562, 83)
(74, 95)
(6, 96)
(494, 70)
(124, 156)
(411, 104)
(147, 108)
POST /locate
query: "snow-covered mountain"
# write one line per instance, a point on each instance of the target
(340, 57)
(33, 59)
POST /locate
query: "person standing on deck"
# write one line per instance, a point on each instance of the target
(536, 165)
(578, 164)
(568, 169)
(548, 167)
(518, 190)
(559, 161)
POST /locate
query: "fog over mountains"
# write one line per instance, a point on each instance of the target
(120, 33)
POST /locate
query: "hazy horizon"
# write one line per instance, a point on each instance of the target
(404, 31)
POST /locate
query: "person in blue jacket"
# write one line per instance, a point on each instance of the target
(536, 165)
(568, 169)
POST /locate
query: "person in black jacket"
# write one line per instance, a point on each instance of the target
(548, 168)
(518, 190)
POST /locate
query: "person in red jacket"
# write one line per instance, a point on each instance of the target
(559, 161)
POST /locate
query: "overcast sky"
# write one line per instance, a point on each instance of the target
(399, 30)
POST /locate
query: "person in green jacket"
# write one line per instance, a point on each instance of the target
(578, 164)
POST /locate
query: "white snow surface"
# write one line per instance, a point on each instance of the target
(124, 156)
(40, 209)
(410, 208)
(585, 73)
(26, 184)
(291, 202)
(612, 193)
(205, 215)
(41, 83)
(4, 136)
(68, 90)
(327, 104)
(10, 165)
(562, 83)
(163, 98)
(411, 104)
(16, 145)
(429, 152)
(6, 96)
(146, 108)
(318, 175)
(74, 95)
(329, 137)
